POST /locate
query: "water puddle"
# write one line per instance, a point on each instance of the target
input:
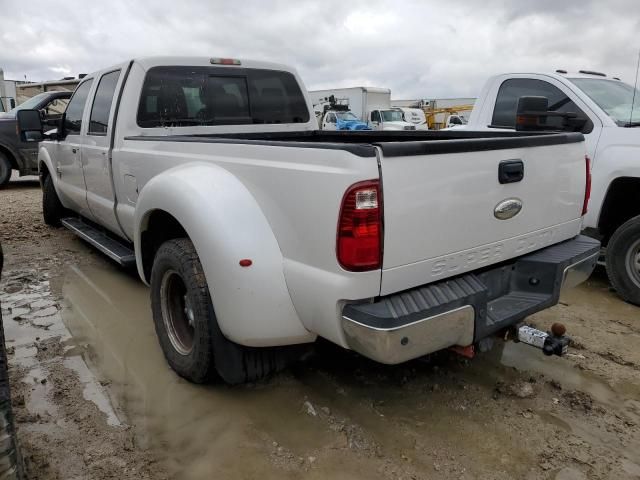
(526, 358)
(31, 317)
(108, 312)
(92, 390)
(38, 402)
(619, 397)
(338, 417)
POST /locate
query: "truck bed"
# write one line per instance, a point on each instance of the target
(393, 144)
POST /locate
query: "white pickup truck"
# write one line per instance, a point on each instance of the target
(602, 112)
(256, 231)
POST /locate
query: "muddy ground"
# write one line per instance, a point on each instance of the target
(94, 398)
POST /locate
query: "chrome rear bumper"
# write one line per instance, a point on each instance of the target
(399, 344)
(579, 271)
(465, 309)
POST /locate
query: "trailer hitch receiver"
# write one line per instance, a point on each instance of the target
(554, 342)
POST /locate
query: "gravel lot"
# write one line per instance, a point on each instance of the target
(94, 398)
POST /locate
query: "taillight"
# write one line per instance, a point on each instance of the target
(587, 185)
(359, 245)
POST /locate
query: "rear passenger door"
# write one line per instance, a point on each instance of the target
(96, 150)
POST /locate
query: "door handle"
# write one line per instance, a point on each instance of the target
(510, 171)
(74, 150)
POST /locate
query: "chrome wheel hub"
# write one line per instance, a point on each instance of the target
(177, 312)
(633, 262)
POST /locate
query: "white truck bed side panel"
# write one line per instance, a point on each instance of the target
(299, 191)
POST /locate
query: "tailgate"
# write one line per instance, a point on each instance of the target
(441, 200)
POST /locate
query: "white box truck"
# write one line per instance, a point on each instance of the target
(7, 93)
(371, 105)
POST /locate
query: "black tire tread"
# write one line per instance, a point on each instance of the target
(202, 370)
(52, 209)
(10, 458)
(224, 359)
(615, 259)
(5, 170)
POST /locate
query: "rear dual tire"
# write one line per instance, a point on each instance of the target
(187, 327)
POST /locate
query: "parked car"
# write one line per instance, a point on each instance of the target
(255, 230)
(601, 109)
(415, 116)
(340, 120)
(22, 156)
(454, 121)
(10, 460)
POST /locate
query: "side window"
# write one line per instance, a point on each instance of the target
(99, 120)
(331, 118)
(73, 114)
(194, 102)
(56, 106)
(504, 113)
(184, 96)
(375, 116)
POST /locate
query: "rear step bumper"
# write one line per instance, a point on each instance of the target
(465, 309)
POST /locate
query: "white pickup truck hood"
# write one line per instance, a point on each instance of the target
(440, 209)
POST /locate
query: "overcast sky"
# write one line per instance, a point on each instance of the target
(419, 49)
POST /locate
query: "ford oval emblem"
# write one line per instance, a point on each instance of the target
(508, 208)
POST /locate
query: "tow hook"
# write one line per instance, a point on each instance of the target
(554, 342)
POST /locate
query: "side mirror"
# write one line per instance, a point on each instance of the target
(532, 113)
(575, 123)
(29, 126)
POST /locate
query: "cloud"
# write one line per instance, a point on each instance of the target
(419, 49)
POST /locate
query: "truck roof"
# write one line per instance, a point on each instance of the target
(366, 89)
(155, 61)
(149, 62)
(560, 75)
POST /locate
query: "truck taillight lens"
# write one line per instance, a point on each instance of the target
(359, 245)
(587, 185)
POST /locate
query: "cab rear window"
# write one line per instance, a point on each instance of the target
(199, 96)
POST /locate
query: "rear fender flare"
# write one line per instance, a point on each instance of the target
(226, 225)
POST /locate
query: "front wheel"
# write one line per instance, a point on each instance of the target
(5, 170)
(52, 209)
(623, 260)
(187, 327)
